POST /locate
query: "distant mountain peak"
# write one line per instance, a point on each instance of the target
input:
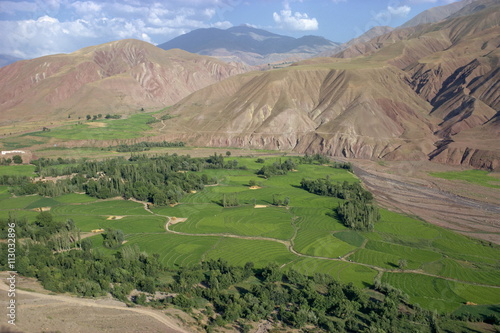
(249, 44)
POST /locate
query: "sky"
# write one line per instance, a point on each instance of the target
(34, 28)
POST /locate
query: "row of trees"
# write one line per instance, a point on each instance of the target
(17, 159)
(344, 190)
(145, 146)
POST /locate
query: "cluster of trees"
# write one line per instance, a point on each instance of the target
(5, 161)
(356, 212)
(94, 117)
(17, 159)
(277, 168)
(159, 179)
(230, 200)
(113, 116)
(315, 158)
(280, 201)
(55, 235)
(113, 238)
(358, 215)
(14, 180)
(342, 165)
(145, 146)
(345, 190)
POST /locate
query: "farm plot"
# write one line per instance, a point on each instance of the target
(129, 224)
(18, 202)
(174, 250)
(360, 276)
(415, 257)
(75, 198)
(105, 207)
(17, 170)
(133, 127)
(350, 237)
(479, 177)
(463, 248)
(240, 251)
(465, 271)
(319, 244)
(439, 294)
(272, 222)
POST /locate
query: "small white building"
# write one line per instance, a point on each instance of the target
(7, 152)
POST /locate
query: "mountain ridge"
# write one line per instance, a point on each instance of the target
(249, 45)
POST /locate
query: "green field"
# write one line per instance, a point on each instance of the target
(443, 270)
(479, 177)
(17, 170)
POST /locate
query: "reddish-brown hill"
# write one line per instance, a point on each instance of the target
(414, 93)
(119, 77)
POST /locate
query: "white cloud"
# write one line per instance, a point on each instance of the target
(384, 17)
(294, 21)
(399, 11)
(222, 25)
(40, 27)
(87, 7)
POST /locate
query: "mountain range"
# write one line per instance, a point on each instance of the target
(425, 91)
(249, 45)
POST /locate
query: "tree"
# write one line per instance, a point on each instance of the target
(112, 238)
(17, 159)
(228, 153)
(402, 263)
(252, 183)
(89, 117)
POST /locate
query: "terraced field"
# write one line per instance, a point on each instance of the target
(443, 270)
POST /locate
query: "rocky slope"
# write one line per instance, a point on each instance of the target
(119, 78)
(323, 108)
(436, 14)
(427, 92)
(453, 65)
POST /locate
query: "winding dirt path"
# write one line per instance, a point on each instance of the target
(289, 245)
(170, 325)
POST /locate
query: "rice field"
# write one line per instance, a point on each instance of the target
(443, 271)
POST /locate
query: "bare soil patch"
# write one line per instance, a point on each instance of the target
(97, 124)
(42, 209)
(115, 217)
(254, 187)
(260, 206)
(175, 220)
(38, 311)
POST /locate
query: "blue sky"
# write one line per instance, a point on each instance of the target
(33, 28)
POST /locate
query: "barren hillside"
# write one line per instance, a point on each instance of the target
(414, 93)
(119, 78)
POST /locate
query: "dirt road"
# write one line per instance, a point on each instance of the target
(34, 308)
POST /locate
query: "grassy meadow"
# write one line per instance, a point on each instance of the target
(442, 270)
(480, 177)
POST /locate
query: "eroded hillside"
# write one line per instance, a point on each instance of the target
(119, 78)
